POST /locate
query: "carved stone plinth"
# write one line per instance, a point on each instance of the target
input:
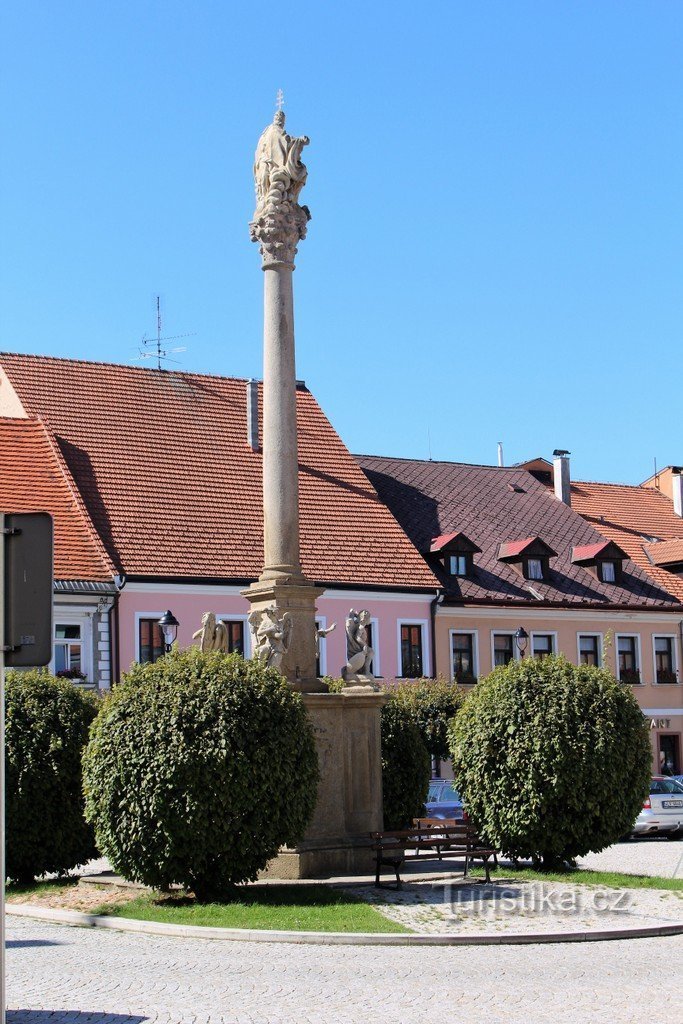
(347, 732)
(298, 663)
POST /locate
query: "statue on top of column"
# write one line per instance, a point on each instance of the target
(279, 175)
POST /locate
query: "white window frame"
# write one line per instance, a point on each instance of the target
(457, 575)
(674, 646)
(376, 663)
(542, 632)
(229, 617)
(322, 624)
(84, 620)
(138, 616)
(639, 655)
(601, 641)
(426, 654)
(474, 633)
(516, 656)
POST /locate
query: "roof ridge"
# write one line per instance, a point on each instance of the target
(123, 366)
(440, 462)
(76, 495)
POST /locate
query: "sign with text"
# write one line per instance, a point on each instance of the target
(28, 540)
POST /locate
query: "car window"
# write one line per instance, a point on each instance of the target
(665, 786)
(434, 792)
(449, 794)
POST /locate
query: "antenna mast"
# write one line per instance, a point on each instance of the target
(161, 353)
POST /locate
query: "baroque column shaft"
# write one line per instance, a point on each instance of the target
(280, 459)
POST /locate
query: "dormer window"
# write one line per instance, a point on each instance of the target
(603, 560)
(530, 557)
(457, 565)
(608, 572)
(455, 552)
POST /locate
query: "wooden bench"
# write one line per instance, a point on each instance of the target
(446, 838)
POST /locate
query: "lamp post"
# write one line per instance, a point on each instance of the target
(521, 640)
(169, 627)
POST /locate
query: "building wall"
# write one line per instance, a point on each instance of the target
(90, 618)
(188, 603)
(662, 703)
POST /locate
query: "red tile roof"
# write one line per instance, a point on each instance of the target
(446, 539)
(632, 517)
(174, 490)
(35, 478)
(433, 498)
(665, 552)
(589, 552)
(511, 549)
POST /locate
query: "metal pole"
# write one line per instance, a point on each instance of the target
(3, 876)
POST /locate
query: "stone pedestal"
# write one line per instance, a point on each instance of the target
(347, 731)
(297, 599)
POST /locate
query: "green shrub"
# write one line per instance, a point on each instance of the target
(405, 766)
(47, 722)
(199, 768)
(552, 760)
(432, 703)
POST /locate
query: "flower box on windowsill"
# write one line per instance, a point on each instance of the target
(666, 676)
(629, 675)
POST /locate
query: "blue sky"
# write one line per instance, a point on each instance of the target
(495, 249)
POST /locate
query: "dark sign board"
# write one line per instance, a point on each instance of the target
(28, 589)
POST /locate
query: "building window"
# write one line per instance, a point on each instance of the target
(411, 651)
(542, 645)
(151, 641)
(534, 569)
(589, 650)
(235, 628)
(457, 565)
(608, 572)
(665, 668)
(462, 647)
(69, 651)
(503, 649)
(627, 654)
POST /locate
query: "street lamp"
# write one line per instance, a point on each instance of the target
(169, 627)
(521, 639)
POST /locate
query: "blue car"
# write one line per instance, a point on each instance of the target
(443, 800)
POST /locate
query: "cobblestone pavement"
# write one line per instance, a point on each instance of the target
(439, 907)
(59, 975)
(640, 857)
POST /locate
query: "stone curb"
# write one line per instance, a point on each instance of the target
(78, 920)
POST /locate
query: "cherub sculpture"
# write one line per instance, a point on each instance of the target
(271, 636)
(213, 636)
(359, 654)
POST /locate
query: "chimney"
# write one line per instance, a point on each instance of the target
(677, 489)
(500, 454)
(561, 475)
(252, 415)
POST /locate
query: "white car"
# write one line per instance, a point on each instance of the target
(662, 812)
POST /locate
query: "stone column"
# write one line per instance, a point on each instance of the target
(278, 226)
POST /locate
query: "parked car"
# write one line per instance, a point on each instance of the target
(443, 800)
(662, 812)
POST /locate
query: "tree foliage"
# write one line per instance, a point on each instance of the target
(432, 704)
(552, 760)
(47, 721)
(405, 765)
(200, 767)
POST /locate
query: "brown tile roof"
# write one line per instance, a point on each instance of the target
(173, 489)
(35, 478)
(433, 498)
(632, 517)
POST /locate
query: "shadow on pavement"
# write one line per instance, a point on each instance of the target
(70, 1017)
(23, 943)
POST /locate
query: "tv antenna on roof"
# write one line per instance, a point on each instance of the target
(150, 344)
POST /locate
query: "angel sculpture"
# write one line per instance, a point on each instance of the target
(213, 636)
(320, 634)
(271, 636)
(359, 654)
(279, 174)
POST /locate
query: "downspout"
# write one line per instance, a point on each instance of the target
(436, 601)
(119, 583)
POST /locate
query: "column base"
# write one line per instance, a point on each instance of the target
(296, 597)
(337, 858)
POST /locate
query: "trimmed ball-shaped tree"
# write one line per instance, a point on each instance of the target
(432, 704)
(47, 722)
(405, 766)
(553, 760)
(199, 768)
